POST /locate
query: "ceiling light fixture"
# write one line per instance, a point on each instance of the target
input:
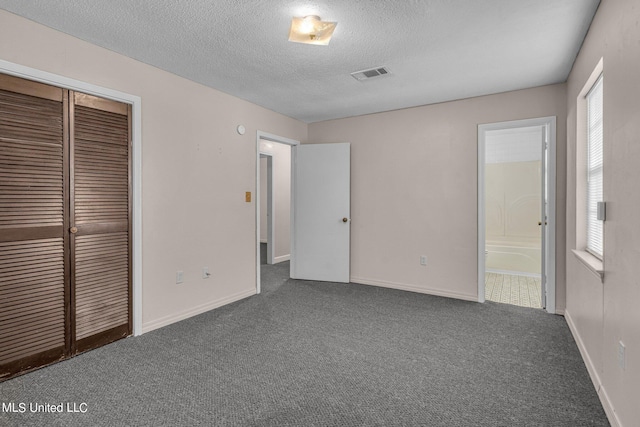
(311, 30)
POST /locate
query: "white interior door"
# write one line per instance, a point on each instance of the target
(321, 212)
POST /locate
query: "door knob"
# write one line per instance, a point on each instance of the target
(73, 230)
(345, 219)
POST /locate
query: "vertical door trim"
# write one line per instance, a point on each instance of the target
(482, 230)
(544, 214)
(72, 219)
(550, 232)
(66, 208)
(551, 214)
(282, 140)
(29, 73)
(130, 215)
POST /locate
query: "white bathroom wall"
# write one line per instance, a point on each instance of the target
(512, 211)
(513, 200)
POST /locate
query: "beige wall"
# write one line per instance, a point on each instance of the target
(195, 169)
(602, 313)
(414, 188)
(281, 155)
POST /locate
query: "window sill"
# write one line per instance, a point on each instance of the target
(591, 262)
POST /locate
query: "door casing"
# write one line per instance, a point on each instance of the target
(260, 135)
(136, 147)
(549, 262)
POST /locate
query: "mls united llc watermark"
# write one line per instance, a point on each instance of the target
(23, 407)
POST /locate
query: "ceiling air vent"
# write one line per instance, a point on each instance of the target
(370, 74)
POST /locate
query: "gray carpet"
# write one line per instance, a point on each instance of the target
(322, 354)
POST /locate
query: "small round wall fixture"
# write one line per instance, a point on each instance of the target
(241, 130)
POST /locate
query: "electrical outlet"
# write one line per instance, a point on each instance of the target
(423, 260)
(179, 277)
(621, 355)
(205, 273)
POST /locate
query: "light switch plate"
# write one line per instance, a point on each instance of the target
(621, 355)
(602, 211)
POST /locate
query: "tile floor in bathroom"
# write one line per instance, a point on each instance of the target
(512, 289)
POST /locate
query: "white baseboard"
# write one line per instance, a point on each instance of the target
(413, 288)
(282, 258)
(173, 318)
(593, 373)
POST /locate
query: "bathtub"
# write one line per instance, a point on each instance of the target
(513, 258)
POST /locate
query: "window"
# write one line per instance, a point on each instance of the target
(594, 168)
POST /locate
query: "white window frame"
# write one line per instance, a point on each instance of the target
(594, 185)
(592, 262)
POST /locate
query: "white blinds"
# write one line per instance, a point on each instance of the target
(594, 168)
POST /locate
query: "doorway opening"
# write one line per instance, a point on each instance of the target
(273, 201)
(516, 212)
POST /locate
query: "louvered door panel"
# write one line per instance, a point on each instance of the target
(101, 167)
(32, 303)
(31, 162)
(102, 291)
(101, 212)
(33, 291)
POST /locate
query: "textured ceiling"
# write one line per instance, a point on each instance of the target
(437, 50)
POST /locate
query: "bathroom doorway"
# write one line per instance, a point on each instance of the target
(516, 182)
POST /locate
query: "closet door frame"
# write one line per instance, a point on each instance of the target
(41, 127)
(63, 82)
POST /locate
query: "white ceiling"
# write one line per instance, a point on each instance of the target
(437, 50)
